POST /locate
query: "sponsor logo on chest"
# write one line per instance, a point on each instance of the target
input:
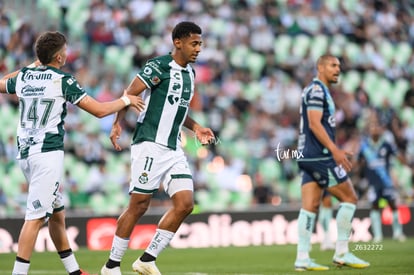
(33, 91)
(30, 76)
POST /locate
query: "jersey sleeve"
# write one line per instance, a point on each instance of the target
(151, 74)
(72, 91)
(392, 148)
(315, 98)
(11, 85)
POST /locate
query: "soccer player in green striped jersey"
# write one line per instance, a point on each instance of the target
(43, 91)
(166, 84)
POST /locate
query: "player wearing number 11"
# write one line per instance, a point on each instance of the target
(43, 91)
(167, 84)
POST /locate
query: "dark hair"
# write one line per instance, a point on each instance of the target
(322, 59)
(47, 45)
(185, 29)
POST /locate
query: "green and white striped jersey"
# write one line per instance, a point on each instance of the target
(170, 89)
(42, 93)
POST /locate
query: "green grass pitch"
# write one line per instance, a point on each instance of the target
(390, 257)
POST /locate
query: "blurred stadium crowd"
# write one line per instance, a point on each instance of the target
(257, 56)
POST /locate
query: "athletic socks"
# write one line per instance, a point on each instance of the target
(376, 227)
(306, 222)
(69, 261)
(119, 246)
(325, 217)
(21, 266)
(344, 226)
(147, 257)
(396, 225)
(159, 241)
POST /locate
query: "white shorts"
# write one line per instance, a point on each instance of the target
(43, 173)
(153, 164)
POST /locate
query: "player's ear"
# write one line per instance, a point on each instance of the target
(177, 43)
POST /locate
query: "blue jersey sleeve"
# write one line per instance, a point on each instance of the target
(315, 98)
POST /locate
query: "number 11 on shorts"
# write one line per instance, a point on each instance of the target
(148, 163)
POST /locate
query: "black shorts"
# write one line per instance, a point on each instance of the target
(324, 172)
(375, 193)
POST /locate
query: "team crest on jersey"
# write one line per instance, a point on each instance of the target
(143, 179)
(155, 80)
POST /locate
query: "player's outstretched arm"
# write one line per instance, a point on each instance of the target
(3, 80)
(102, 109)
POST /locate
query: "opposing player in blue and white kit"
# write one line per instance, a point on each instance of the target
(43, 93)
(375, 161)
(167, 86)
(323, 166)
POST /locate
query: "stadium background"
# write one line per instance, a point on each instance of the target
(257, 56)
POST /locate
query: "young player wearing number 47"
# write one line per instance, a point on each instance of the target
(43, 91)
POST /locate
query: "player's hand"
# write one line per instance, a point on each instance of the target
(35, 64)
(137, 102)
(343, 159)
(205, 135)
(114, 136)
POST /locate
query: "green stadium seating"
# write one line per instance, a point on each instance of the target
(387, 51)
(270, 169)
(282, 46)
(397, 92)
(52, 8)
(238, 56)
(217, 26)
(352, 50)
(300, 45)
(407, 116)
(351, 80)
(403, 52)
(162, 9)
(76, 18)
(255, 62)
(253, 90)
(332, 5)
(241, 200)
(319, 46)
(99, 204)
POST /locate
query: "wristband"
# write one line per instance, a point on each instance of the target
(126, 100)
